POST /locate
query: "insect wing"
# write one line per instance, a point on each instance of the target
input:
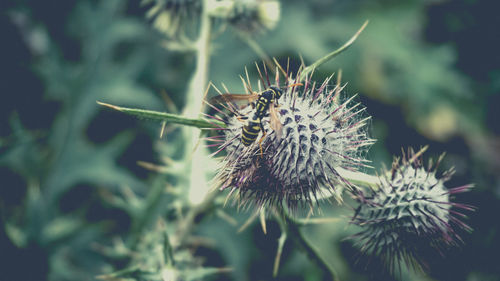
(228, 98)
(275, 122)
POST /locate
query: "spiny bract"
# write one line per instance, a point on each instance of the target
(409, 213)
(318, 136)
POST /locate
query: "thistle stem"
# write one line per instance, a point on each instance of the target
(195, 155)
(199, 80)
(190, 117)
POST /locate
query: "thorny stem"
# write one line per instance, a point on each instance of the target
(288, 225)
(190, 117)
(194, 155)
(199, 80)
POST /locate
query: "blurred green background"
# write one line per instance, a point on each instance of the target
(427, 71)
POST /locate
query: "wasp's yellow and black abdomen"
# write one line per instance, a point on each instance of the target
(250, 132)
(254, 126)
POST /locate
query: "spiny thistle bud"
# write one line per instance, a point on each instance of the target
(169, 16)
(304, 135)
(409, 213)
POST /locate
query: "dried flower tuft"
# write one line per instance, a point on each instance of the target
(293, 164)
(256, 15)
(248, 16)
(170, 16)
(409, 213)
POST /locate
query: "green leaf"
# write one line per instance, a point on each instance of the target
(90, 164)
(168, 117)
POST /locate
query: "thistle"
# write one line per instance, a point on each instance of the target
(294, 164)
(410, 211)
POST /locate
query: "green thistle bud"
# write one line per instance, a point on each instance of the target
(410, 211)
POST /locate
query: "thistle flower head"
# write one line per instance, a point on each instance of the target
(410, 211)
(292, 164)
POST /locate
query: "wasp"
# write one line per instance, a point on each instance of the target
(263, 103)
